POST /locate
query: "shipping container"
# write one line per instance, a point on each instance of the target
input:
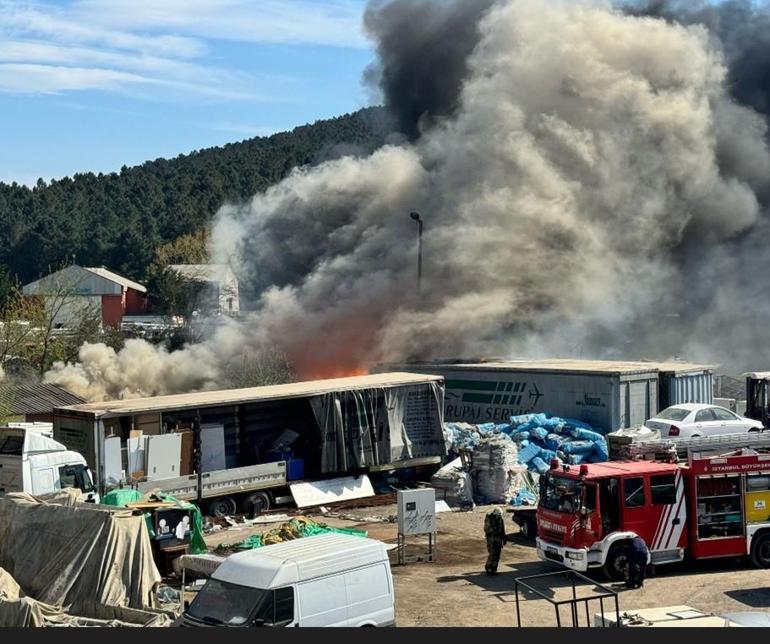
(255, 440)
(684, 383)
(607, 394)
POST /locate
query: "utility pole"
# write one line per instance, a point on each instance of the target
(416, 217)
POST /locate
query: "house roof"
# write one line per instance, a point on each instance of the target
(35, 398)
(82, 280)
(118, 279)
(203, 272)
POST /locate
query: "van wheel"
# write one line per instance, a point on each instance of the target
(760, 550)
(222, 507)
(617, 562)
(258, 503)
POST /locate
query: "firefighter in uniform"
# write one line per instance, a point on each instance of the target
(637, 563)
(494, 530)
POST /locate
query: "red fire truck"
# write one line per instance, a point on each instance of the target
(710, 507)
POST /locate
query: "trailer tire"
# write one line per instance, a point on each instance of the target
(760, 550)
(257, 503)
(528, 529)
(222, 507)
(617, 560)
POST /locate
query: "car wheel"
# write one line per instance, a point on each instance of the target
(617, 562)
(760, 550)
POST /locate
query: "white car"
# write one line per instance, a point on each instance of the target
(690, 420)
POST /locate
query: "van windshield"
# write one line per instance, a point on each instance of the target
(220, 602)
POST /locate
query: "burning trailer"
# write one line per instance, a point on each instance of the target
(608, 395)
(252, 448)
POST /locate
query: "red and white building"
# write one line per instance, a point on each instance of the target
(75, 290)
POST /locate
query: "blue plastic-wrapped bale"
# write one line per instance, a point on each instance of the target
(487, 428)
(516, 421)
(554, 441)
(528, 453)
(579, 459)
(578, 447)
(600, 450)
(538, 433)
(520, 437)
(586, 435)
(547, 455)
(540, 465)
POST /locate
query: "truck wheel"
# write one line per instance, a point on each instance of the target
(222, 507)
(617, 562)
(760, 550)
(529, 529)
(258, 503)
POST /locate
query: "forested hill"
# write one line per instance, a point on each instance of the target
(119, 219)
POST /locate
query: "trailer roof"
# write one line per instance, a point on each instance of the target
(566, 364)
(241, 396)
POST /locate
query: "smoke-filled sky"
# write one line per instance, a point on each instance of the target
(594, 182)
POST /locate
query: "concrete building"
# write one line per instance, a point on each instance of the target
(77, 290)
(220, 292)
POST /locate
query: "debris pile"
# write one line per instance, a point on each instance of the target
(296, 528)
(453, 485)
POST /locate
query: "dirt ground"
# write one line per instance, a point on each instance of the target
(455, 591)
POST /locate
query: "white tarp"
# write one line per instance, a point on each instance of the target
(321, 492)
(77, 555)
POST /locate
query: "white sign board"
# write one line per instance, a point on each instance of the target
(321, 492)
(416, 511)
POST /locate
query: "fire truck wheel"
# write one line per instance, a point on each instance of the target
(760, 550)
(617, 561)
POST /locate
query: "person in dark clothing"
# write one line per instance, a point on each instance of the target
(637, 563)
(494, 531)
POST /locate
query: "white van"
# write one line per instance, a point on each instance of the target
(326, 580)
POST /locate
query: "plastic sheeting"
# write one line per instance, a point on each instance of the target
(77, 556)
(378, 426)
(297, 528)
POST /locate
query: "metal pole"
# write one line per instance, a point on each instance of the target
(198, 455)
(419, 256)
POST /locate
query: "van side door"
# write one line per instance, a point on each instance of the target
(370, 596)
(323, 602)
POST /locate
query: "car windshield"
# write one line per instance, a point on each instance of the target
(220, 602)
(560, 494)
(673, 413)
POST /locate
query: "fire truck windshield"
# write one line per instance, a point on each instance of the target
(560, 494)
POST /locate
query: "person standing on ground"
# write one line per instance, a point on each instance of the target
(637, 562)
(494, 531)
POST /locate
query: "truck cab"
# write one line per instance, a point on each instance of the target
(587, 514)
(32, 462)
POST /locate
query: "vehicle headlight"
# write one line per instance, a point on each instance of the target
(574, 555)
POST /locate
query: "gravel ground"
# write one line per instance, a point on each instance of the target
(455, 591)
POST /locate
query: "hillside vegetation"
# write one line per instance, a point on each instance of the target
(120, 220)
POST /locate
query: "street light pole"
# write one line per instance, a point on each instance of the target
(416, 217)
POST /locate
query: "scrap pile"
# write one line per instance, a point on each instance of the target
(297, 528)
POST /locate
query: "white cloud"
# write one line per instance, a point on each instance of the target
(123, 44)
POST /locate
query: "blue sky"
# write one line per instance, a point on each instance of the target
(91, 85)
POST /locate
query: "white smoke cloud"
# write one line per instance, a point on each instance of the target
(592, 167)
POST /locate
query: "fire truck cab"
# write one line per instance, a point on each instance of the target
(709, 507)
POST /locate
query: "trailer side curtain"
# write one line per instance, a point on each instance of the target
(362, 428)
